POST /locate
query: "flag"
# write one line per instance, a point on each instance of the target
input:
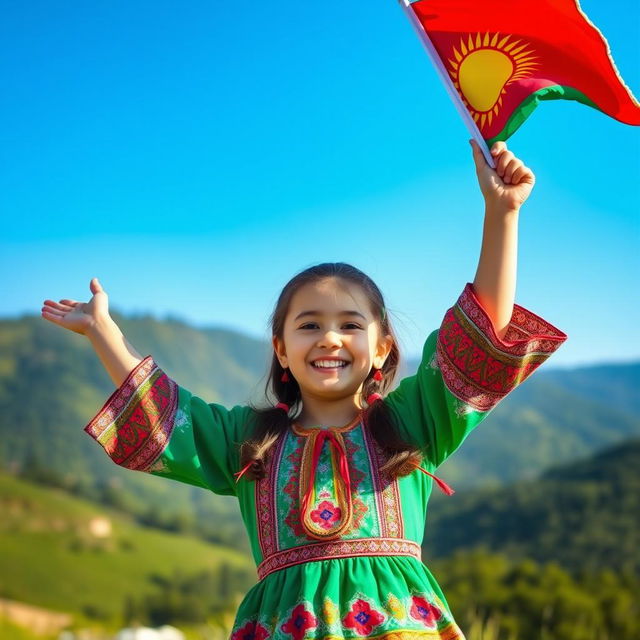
(503, 57)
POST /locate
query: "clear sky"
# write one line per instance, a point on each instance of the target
(194, 156)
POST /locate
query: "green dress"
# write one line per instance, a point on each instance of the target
(336, 542)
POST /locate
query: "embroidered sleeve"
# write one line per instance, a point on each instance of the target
(466, 369)
(151, 424)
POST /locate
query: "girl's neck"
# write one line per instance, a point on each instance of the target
(333, 413)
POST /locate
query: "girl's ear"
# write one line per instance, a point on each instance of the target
(382, 352)
(281, 354)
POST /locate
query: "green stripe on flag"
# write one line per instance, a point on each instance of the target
(553, 92)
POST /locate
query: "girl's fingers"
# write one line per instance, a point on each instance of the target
(71, 303)
(498, 147)
(58, 305)
(510, 169)
(502, 161)
(519, 174)
(48, 315)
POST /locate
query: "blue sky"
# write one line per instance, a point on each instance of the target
(194, 156)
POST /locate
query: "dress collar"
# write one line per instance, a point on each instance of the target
(302, 431)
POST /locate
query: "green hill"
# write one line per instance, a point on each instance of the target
(583, 516)
(69, 555)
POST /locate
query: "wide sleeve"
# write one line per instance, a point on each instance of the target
(151, 424)
(466, 369)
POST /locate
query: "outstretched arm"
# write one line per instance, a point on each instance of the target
(505, 189)
(92, 319)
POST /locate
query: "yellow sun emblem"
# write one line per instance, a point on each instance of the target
(481, 68)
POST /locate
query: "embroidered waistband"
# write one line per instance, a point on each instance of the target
(338, 549)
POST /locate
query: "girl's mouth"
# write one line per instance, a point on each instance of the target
(329, 365)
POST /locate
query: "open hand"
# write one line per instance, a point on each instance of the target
(78, 316)
(508, 185)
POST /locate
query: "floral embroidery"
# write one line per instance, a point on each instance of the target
(330, 611)
(251, 631)
(423, 610)
(300, 621)
(395, 607)
(362, 618)
(182, 420)
(326, 515)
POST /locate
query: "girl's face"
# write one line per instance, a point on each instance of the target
(331, 340)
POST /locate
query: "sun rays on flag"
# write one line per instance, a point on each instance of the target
(482, 66)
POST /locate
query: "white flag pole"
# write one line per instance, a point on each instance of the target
(444, 76)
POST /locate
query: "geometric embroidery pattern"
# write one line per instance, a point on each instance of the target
(386, 492)
(345, 548)
(135, 424)
(478, 367)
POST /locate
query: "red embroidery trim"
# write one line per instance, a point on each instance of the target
(478, 367)
(338, 549)
(135, 424)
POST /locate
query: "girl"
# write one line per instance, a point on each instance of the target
(333, 479)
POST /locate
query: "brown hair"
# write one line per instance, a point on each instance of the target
(271, 422)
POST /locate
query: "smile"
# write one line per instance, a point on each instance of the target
(329, 364)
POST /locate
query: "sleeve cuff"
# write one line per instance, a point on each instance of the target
(135, 424)
(478, 367)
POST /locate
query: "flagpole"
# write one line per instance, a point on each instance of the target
(444, 76)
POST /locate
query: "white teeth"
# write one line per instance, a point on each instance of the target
(329, 364)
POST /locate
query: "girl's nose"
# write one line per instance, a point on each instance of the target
(330, 339)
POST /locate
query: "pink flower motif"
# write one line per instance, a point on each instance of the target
(299, 622)
(423, 610)
(362, 618)
(251, 631)
(326, 514)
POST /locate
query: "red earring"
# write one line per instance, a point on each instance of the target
(377, 376)
(285, 376)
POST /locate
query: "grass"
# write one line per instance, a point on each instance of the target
(54, 560)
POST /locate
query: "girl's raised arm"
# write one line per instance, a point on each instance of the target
(505, 189)
(92, 319)
(150, 423)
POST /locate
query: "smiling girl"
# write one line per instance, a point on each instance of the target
(333, 477)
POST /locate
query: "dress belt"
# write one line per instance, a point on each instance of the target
(334, 549)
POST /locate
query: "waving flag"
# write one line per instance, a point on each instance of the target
(500, 58)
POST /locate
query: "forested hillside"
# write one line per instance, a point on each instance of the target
(583, 516)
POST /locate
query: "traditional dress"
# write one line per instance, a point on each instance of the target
(336, 542)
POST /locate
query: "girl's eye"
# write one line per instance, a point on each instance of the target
(314, 325)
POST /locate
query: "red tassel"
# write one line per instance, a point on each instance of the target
(377, 376)
(241, 473)
(444, 487)
(285, 376)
